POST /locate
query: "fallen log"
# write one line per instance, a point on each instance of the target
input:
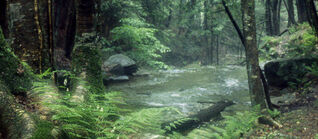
(193, 121)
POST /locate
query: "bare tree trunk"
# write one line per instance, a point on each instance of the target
(217, 49)
(256, 89)
(3, 16)
(276, 6)
(312, 15)
(291, 14)
(85, 16)
(301, 10)
(268, 16)
(85, 56)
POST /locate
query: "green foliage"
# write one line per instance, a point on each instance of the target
(91, 119)
(237, 124)
(301, 42)
(139, 42)
(17, 75)
(144, 121)
(275, 113)
(86, 59)
(43, 130)
(313, 69)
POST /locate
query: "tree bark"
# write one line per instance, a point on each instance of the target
(301, 10)
(85, 55)
(193, 121)
(268, 16)
(3, 16)
(291, 14)
(85, 16)
(256, 89)
(312, 15)
(276, 6)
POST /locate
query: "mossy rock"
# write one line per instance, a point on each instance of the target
(17, 75)
(86, 58)
(280, 73)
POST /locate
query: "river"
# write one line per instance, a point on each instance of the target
(187, 89)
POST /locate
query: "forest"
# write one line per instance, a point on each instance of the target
(158, 69)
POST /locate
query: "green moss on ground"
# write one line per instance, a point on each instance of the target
(86, 58)
(16, 74)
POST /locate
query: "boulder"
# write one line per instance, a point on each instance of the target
(119, 65)
(280, 73)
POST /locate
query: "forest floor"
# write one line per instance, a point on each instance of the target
(299, 118)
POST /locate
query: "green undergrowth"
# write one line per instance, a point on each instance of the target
(138, 40)
(86, 57)
(17, 75)
(43, 130)
(146, 121)
(300, 41)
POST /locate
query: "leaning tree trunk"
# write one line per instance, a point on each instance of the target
(256, 89)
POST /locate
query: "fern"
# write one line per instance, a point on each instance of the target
(92, 119)
(237, 124)
(144, 121)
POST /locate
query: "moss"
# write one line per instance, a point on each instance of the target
(43, 130)
(12, 119)
(16, 74)
(86, 57)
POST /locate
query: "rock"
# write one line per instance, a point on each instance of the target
(280, 72)
(284, 99)
(115, 79)
(119, 64)
(119, 78)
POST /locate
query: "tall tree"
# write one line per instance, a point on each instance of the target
(312, 14)
(248, 39)
(268, 17)
(301, 10)
(85, 16)
(257, 93)
(276, 7)
(3, 15)
(290, 10)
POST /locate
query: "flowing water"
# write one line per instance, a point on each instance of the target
(187, 89)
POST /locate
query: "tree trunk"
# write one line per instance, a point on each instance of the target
(3, 17)
(64, 28)
(312, 15)
(256, 89)
(217, 50)
(268, 16)
(276, 6)
(85, 16)
(237, 28)
(206, 58)
(291, 14)
(301, 10)
(193, 121)
(85, 56)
